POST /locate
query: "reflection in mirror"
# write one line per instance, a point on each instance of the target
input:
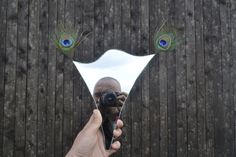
(109, 80)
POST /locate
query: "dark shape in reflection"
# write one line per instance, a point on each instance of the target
(109, 99)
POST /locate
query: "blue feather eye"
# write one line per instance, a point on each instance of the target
(163, 43)
(66, 42)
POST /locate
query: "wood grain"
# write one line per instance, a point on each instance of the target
(182, 105)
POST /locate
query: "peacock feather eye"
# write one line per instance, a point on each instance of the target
(164, 42)
(165, 38)
(66, 42)
(67, 39)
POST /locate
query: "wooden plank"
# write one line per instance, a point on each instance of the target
(21, 78)
(60, 68)
(145, 121)
(87, 102)
(181, 80)
(217, 106)
(127, 129)
(144, 49)
(108, 25)
(77, 79)
(227, 91)
(88, 25)
(125, 45)
(144, 29)
(42, 77)
(154, 82)
(162, 7)
(191, 80)
(32, 81)
(77, 100)
(117, 24)
(3, 28)
(172, 130)
(125, 26)
(135, 27)
(51, 82)
(233, 72)
(136, 118)
(154, 108)
(136, 97)
(154, 86)
(88, 46)
(171, 88)
(9, 82)
(58, 148)
(207, 30)
(68, 85)
(99, 6)
(200, 79)
(163, 105)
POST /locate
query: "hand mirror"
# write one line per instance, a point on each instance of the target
(110, 79)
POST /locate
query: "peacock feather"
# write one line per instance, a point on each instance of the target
(67, 38)
(165, 38)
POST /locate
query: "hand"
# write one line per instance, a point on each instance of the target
(90, 141)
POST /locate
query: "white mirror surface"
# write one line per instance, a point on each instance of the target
(116, 64)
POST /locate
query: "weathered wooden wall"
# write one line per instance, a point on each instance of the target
(184, 104)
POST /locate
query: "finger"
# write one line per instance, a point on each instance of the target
(89, 122)
(119, 123)
(124, 93)
(121, 97)
(117, 133)
(95, 121)
(120, 103)
(114, 147)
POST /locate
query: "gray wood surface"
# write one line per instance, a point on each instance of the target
(182, 105)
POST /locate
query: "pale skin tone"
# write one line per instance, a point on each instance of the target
(90, 141)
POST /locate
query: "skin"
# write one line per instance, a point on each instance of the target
(90, 141)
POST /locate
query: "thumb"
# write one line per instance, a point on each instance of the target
(95, 121)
